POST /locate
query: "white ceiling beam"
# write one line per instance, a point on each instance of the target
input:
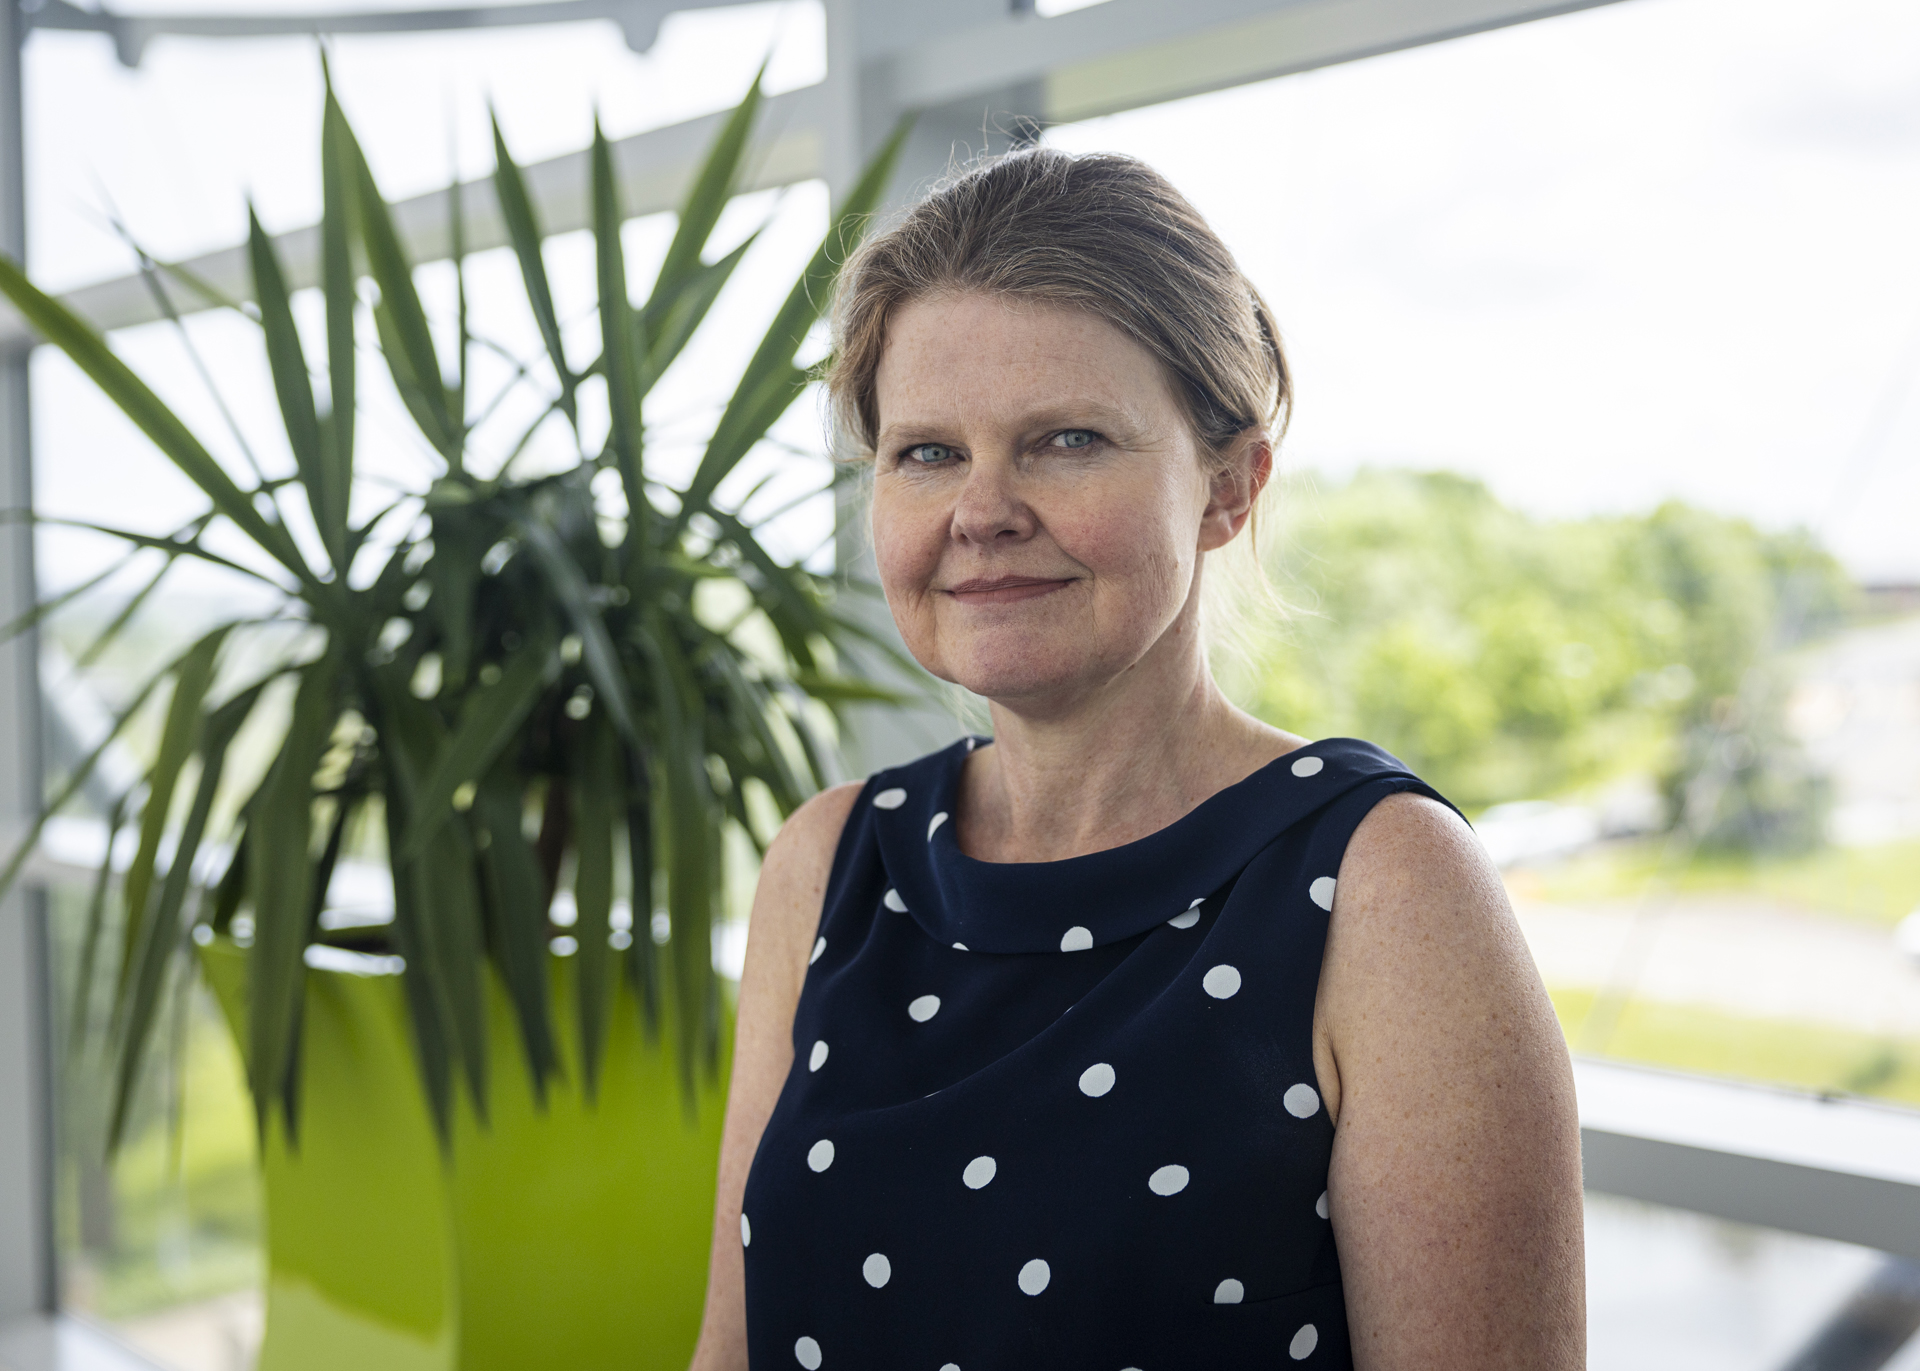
(1115, 56)
(654, 169)
(1128, 53)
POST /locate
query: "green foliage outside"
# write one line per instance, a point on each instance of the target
(1507, 657)
(1808, 1056)
(176, 1218)
(176, 1215)
(1875, 885)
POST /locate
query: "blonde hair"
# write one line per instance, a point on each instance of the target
(1099, 232)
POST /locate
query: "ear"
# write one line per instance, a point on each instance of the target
(1233, 488)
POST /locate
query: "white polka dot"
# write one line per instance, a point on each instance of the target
(979, 1171)
(877, 1269)
(1321, 892)
(820, 1155)
(953, 1365)
(746, 1232)
(1096, 1080)
(894, 902)
(890, 799)
(1308, 766)
(819, 946)
(1304, 1342)
(959, 947)
(971, 744)
(1076, 939)
(818, 1057)
(1223, 982)
(1168, 1180)
(1302, 1101)
(1188, 917)
(1229, 1291)
(1320, 1205)
(1034, 1276)
(923, 1008)
(807, 1353)
(934, 827)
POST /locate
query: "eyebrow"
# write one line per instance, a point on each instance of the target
(1068, 414)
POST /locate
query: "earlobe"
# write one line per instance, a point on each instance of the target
(1238, 483)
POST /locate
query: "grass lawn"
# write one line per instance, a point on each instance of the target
(1808, 1056)
(185, 1221)
(1879, 884)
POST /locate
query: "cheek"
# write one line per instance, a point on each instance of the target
(1138, 548)
(906, 543)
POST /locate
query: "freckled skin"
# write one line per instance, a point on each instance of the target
(1042, 444)
(1041, 512)
(975, 478)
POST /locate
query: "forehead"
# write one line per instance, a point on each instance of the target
(949, 358)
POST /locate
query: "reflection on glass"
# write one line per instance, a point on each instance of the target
(163, 1244)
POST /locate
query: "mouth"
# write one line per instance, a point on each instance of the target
(1001, 590)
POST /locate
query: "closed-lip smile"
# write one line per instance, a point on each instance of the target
(1000, 590)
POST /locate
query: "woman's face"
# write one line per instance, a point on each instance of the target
(1039, 501)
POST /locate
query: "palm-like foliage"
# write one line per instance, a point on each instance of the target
(584, 717)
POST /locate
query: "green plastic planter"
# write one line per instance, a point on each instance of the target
(574, 1237)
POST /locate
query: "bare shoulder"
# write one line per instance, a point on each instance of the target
(1422, 938)
(1444, 1069)
(786, 913)
(812, 832)
(793, 877)
(1409, 840)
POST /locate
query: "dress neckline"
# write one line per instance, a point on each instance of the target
(1075, 903)
(949, 802)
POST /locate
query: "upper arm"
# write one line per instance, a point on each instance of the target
(1455, 1181)
(785, 920)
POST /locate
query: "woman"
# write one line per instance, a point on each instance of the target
(1147, 1035)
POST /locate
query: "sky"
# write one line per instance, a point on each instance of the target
(1661, 249)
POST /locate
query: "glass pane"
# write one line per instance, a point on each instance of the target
(164, 1243)
(1594, 507)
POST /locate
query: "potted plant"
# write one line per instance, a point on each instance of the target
(511, 690)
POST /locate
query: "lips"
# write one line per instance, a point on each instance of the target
(1000, 590)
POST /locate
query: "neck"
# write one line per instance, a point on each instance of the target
(1113, 766)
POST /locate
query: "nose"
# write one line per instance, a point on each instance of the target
(989, 509)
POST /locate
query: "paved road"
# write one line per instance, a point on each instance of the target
(1856, 707)
(1739, 955)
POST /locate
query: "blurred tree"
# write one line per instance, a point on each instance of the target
(1505, 657)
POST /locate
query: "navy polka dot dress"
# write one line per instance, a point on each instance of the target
(1062, 1115)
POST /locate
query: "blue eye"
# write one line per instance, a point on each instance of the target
(1075, 437)
(929, 454)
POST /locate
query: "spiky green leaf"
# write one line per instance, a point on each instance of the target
(492, 716)
(281, 886)
(750, 411)
(595, 795)
(60, 326)
(523, 232)
(622, 349)
(160, 933)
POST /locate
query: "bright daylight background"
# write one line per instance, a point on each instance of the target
(1600, 505)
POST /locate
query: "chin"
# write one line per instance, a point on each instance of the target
(1011, 676)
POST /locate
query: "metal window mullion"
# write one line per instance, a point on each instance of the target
(26, 1086)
